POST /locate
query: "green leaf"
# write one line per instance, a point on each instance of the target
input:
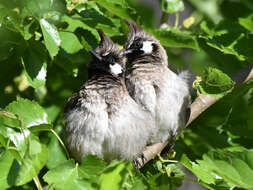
(51, 37)
(247, 22)
(65, 177)
(95, 18)
(8, 119)
(6, 162)
(16, 137)
(42, 8)
(201, 172)
(7, 47)
(42, 127)
(91, 165)
(29, 29)
(114, 175)
(229, 38)
(34, 160)
(172, 6)
(56, 153)
(119, 8)
(34, 63)
(215, 82)
(30, 112)
(175, 38)
(75, 22)
(234, 167)
(69, 42)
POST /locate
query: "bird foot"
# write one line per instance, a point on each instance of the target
(138, 162)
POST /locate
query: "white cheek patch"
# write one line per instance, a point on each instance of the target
(116, 69)
(147, 47)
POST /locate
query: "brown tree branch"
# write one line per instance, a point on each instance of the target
(201, 103)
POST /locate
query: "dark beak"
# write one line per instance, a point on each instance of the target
(95, 54)
(128, 51)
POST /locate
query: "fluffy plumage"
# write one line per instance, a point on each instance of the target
(154, 86)
(102, 119)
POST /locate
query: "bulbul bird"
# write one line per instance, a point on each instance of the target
(101, 118)
(154, 86)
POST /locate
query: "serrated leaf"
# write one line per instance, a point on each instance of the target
(215, 82)
(234, 167)
(30, 112)
(75, 22)
(42, 127)
(114, 175)
(229, 38)
(172, 6)
(6, 162)
(247, 22)
(175, 38)
(69, 42)
(201, 171)
(65, 177)
(34, 160)
(91, 165)
(16, 137)
(51, 37)
(8, 119)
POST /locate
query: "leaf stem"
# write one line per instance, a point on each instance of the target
(166, 161)
(61, 142)
(37, 183)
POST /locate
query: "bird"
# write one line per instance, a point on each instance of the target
(101, 118)
(160, 91)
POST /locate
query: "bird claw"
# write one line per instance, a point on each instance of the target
(136, 161)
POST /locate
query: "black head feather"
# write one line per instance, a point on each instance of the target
(106, 45)
(105, 56)
(136, 32)
(142, 46)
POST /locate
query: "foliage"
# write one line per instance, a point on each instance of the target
(43, 60)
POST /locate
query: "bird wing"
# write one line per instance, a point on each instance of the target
(86, 123)
(143, 92)
(130, 128)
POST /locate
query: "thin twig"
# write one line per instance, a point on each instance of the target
(37, 183)
(201, 103)
(61, 142)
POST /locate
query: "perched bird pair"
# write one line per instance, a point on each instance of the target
(116, 114)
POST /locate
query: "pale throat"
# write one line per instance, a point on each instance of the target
(116, 69)
(147, 47)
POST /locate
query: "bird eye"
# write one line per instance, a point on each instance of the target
(137, 44)
(110, 59)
